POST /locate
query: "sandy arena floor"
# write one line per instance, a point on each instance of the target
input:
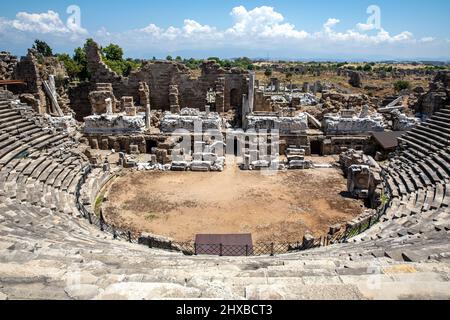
(281, 207)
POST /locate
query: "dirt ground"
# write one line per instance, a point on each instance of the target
(280, 207)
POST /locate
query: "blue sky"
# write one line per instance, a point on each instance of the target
(277, 29)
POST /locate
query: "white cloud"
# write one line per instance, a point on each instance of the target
(365, 26)
(261, 28)
(261, 23)
(47, 23)
(427, 39)
(331, 22)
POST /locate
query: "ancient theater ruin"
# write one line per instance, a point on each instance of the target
(221, 182)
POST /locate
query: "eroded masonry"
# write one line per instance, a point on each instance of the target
(63, 142)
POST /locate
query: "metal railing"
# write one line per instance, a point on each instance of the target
(192, 248)
(99, 221)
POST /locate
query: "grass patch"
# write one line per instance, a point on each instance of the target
(98, 204)
(151, 217)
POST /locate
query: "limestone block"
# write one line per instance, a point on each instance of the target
(94, 144)
(131, 111)
(126, 102)
(200, 166)
(188, 118)
(82, 291)
(335, 124)
(179, 166)
(144, 94)
(114, 124)
(134, 149)
(105, 144)
(98, 100)
(285, 125)
(116, 145)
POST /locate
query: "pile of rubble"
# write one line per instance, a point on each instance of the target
(114, 124)
(395, 119)
(363, 176)
(437, 97)
(337, 101)
(202, 162)
(347, 123)
(272, 121)
(64, 123)
(306, 99)
(401, 122)
(296, 159)
(7, 64)
(188, 118)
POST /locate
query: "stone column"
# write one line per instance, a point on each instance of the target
(251, 91)
(173, 99)
(220, 94)
(109, 109)
(147, 116)
(144, 95)
(245, 110)
(52, 84)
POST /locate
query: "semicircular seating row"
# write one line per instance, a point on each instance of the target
(43, 238)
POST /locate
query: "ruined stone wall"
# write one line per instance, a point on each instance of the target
(8, 63)
(337, 144)
(262, 102)
(160, 75)
(27, 70)
(34, 69)
(117, 142)
(79, 100)
(437, 97)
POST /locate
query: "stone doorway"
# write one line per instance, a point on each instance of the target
(151, 144)
(316, 147)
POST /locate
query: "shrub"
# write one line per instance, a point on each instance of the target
(402, 85)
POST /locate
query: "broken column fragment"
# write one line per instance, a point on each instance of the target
(173, 99)
(128, 106)
(98, 98)
(144, 97)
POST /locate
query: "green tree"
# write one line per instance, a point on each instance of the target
(72, 67)
(113, 52)
(367, 67)
(216, 59)
(402, 85)
(169, 58)
(43, 48)
(268, 72)
(227, 64)
(112, 55)
(80, 58)
(130, 65)
(192, 63)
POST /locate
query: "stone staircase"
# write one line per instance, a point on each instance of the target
(48, 251)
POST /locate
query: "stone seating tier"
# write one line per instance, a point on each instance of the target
(48, 251)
